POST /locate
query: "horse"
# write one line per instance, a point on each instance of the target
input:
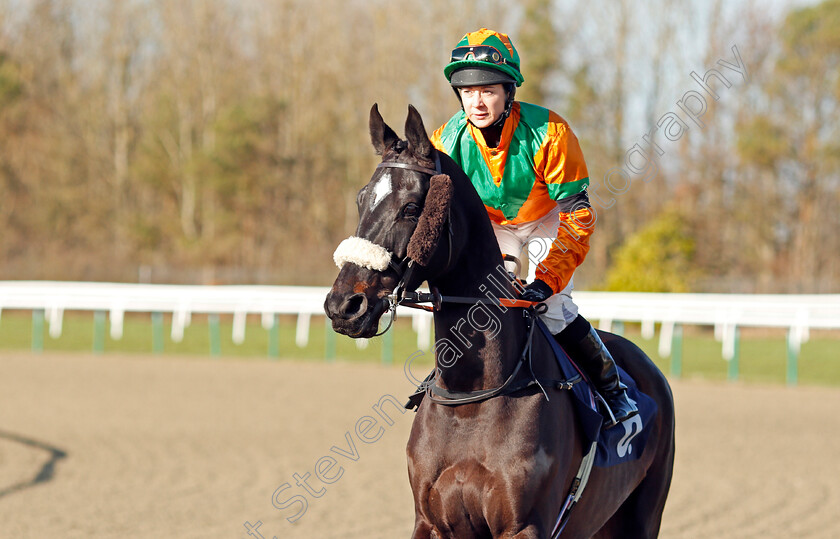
(502, 465)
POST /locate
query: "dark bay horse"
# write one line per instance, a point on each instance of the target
(504, 466)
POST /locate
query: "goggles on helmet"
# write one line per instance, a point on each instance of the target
(480, 53)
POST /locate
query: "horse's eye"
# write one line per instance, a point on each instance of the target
(411, 211)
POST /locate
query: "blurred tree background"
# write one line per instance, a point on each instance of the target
(212, 141)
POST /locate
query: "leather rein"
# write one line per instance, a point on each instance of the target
(514, 383)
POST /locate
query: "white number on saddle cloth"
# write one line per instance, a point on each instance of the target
(632, 428)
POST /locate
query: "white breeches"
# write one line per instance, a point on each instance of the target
(538, 236)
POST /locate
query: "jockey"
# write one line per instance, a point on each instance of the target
(529, 171)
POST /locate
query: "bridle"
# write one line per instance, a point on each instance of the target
(404, 294)
(405, 266)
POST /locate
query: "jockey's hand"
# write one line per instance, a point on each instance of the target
(537, 291)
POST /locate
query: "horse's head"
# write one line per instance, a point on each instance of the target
(403, 216)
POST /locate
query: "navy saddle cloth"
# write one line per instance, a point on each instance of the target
(622, 442)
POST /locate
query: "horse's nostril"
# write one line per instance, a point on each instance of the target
(354, 306)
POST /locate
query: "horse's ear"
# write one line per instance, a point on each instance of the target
(415, 133)
(430, 226)
(382, 136)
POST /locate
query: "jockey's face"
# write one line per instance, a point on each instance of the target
(483, 105)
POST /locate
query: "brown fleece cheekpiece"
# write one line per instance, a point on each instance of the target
(429, 229)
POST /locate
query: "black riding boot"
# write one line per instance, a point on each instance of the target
(582, 342)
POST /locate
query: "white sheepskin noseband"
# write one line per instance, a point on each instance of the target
(363, 253)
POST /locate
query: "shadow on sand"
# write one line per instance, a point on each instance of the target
(47, 469)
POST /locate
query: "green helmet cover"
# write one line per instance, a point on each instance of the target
(498, 41)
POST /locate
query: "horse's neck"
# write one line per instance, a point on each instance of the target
(476, 344)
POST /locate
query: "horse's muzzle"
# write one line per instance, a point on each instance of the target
(354, 315)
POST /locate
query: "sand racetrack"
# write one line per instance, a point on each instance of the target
(136, 446)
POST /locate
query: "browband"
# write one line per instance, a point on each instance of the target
(408, 166)
(418, 168)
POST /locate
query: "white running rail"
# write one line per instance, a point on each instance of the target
(797, 313)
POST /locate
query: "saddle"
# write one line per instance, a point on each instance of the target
(620, 443)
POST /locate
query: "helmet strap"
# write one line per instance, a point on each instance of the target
(458, 95)
(510, 89)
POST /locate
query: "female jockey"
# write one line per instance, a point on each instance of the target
(528, 168)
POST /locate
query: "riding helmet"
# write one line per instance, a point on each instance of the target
(482, 58)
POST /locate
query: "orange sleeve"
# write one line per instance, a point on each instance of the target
(566, 177)
(563, 166)
(568, 249)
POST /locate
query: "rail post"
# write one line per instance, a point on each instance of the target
(274, 337)
(676, 351)
(98, 332)
(329, 340)
(793, 347)
(734, 361)
(38, 330)
(388, 347)
(215, 334)
(157, 332)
